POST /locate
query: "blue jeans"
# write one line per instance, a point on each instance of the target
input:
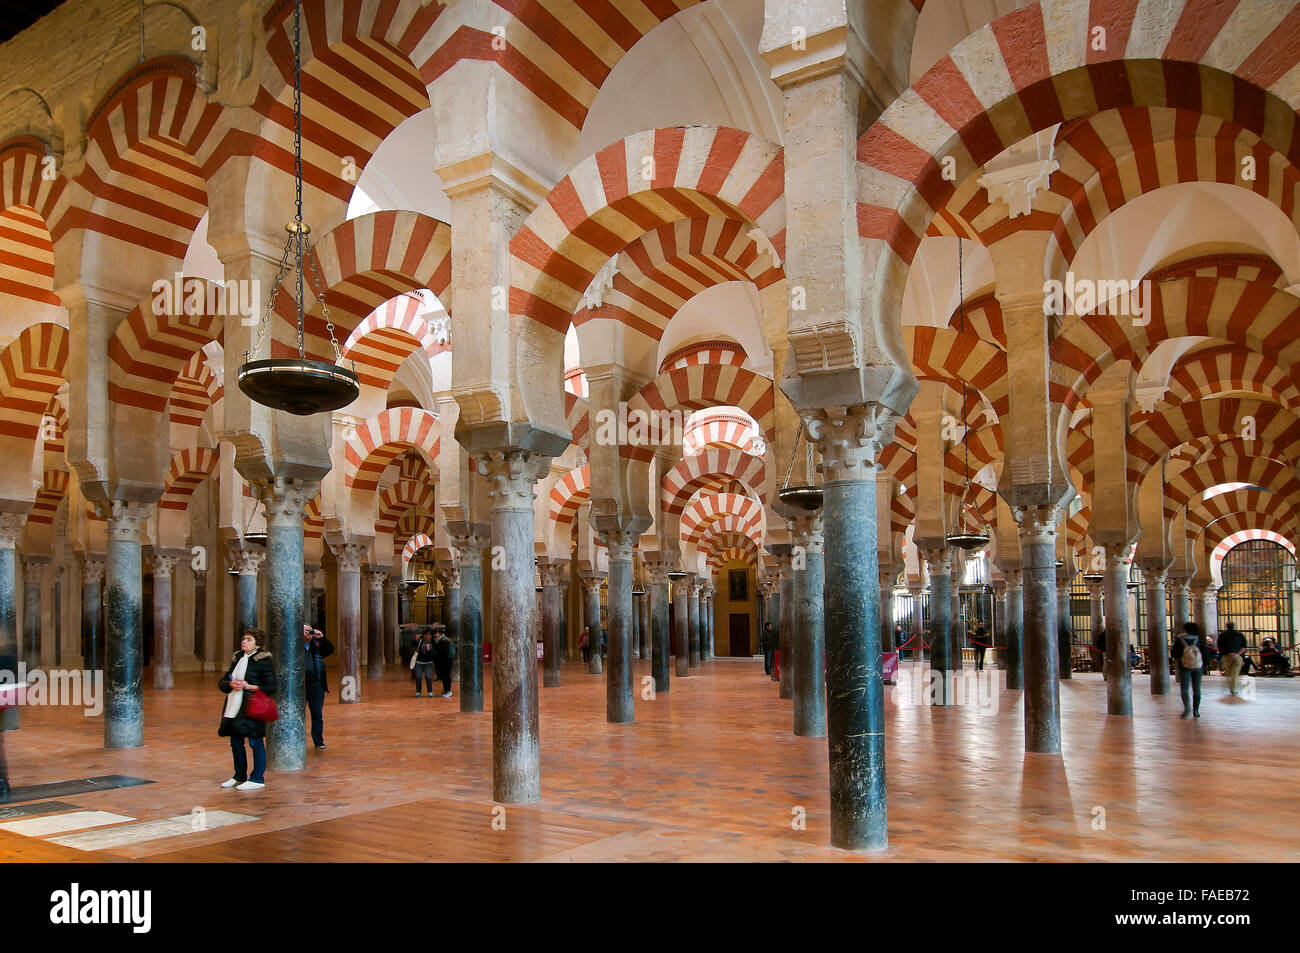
(241, 758)
(1190, 678)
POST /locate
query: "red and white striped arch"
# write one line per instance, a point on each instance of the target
(1225, 368)
(952, 357)
(1154, 436)
(700, 387)
(32, 368)
(149, 351)
(1253, 315)
(719, 430)
(56, 413)
(402, 496)
(313, 523)
(1225, 545)
(363, 263)
(189, 468)
(662, 270)
(710, 470)
(606, 203)
(1222, 515)
(1189, 483)
(151, 145)
(1018, 76)
(378, 441)
(577, 417)
(53, 490)
(722, 548)
(195, 390)
(29, 203)
(569, 493)
(742, 513)
(388, 336)
(704, 352)
(413, 545)
(412, 524)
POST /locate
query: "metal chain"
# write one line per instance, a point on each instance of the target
(793, 453)
(270, 303)
(299, 235)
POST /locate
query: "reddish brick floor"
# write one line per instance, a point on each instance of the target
(707, 772)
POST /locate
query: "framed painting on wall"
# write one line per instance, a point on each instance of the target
(738, 585)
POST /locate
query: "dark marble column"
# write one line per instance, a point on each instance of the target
(92, 603)
(1178, 591)
(163, 565)
(1157, 629)
(563, 652)
(124, 583)
(11, 533)
(657, 596)
(470, 548)
(390, 616)
(808, 641)
(619, 705)
(849, 441)
(693, 608)
(956, 632)
(284, 502)
(681, 625)
(550, 574)
(200, 613)
(308, 596)
(516, 751)
(1119, 680)
(1038, 578)
(1064, 637)
(375, 622)
(1096, 620)
(706, 615)
(940, 565)
(450, 577)
(33, 577)
(637, 640)
(918, 622)
(785, 684)
(1013, 629)
(348, 558)
(248, 562)
(591, 619)
(886, 611)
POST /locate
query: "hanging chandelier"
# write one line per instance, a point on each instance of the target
(960, 539)
(807, 497)
(298, 385)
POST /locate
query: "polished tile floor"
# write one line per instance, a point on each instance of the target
(709, 771)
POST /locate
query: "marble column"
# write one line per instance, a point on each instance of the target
(1178, 591)
(163, 565)
(11, 533)
(1211, 598)
(956, 633)
(92, 602)
(638, 637)
(1013, 630)
(646, 646)
(470, 648)
(284, 502)
(619, 706)
(124, 584)
(1119, 678)
(308, 596)
(809, 676)
(1096, 620)
(1199, 615)
(200, 613)
(918, 623)
(785, 685)
(516, 752)
(1153, 578)
(939, 563)
(375, 622)
(550, 574)
(1037, 532)
(563, 652)
(591, 619)
(886, 611)
(348, 557)
(33, 577)
(849, 440)
(391, 583)
(657, 597)
(681, 625)
(248, 562)
(449, 576)
(1064, 634)
(693, 607)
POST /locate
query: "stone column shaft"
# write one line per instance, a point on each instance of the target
(1119, 682)
(123, 690)
(658, 609)
(1013, 629)
(940, 567)
(375, 623)
(163, 679)
(1041, 651)
(693, 607)
(1157, 630)
(809, 676)
(33, 575)
(92, 604)
(348, 558)
(681, 626)
(785, 685)
(284, 502)
(619, 704)
(470, 647)
(551, 626)
(591, 619)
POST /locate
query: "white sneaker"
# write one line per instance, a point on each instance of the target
(229, 784)
(250, 786)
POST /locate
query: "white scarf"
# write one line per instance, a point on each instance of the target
(236, 698)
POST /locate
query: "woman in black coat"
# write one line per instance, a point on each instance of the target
(251, 670)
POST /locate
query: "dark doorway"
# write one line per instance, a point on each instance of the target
(738, 635)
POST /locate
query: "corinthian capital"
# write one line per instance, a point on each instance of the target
(850, 439)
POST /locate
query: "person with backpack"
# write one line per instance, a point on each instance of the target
(1187, 649)
(1232, 645)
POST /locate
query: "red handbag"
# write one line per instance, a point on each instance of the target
(261, 707)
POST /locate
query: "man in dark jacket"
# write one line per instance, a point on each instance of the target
(767, 642)
(318, 648)
(1232, 644)
(442, 658)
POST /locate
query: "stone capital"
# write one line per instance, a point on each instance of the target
(11, 529)
(348, 555)
(657, 570)
(391, 583)
(550, 573)
(591, 583)
(621, 544)
(470, 547)
(284, 499)
(768, 585)
(375, 578)
(806, 531)
(1153, 575)
(1012, 579)
(1037, 523)
(92, 570)
(512, 476)
(450, 575)
(850, 439)
(163, 563)
(247, 561)
(936, 555)
(126, 518)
